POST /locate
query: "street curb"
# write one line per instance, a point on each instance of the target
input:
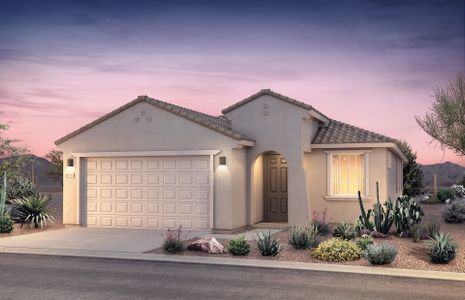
(238, 262)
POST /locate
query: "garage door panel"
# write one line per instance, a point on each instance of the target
(148, 192)
(153, 207)
(121, 207)
(170, 194)
(107, 207)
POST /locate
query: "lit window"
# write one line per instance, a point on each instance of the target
(347, 174)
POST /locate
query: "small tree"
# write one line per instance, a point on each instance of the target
(12, 157)
(55, 169)
(446, 121)
(413, 174)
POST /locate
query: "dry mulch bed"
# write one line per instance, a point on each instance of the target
(410, 255)
(17, 230)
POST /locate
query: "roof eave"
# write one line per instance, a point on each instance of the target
(391, 145)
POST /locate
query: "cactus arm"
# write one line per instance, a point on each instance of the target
(3, 195)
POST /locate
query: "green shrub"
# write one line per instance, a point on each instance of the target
(303, 237)
(441, 248)
(454, 212)
(172, 240)
(20, 187)
(344, 231)
(364, 241)
(319, 221)
(6, 224)
(34, 210)
(431, 227)
(267, 244)
(336, 249)
(380, 254)
(445, 194)
(239, 246)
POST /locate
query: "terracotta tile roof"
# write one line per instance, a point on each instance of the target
(341, 133)
(273, 94)
(220, 124)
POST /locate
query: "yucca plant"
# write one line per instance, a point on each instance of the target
(34, 210)
(441, 248)
(303, 237)
(268, 244)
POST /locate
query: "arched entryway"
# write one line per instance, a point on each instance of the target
(270, 188)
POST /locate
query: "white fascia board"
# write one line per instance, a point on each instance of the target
(146, 153)
(392, 146)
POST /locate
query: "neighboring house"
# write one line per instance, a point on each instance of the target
(268, 158)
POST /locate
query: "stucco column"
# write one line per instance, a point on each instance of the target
(298, 202)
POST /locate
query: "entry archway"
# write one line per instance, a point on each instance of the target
(270, 188)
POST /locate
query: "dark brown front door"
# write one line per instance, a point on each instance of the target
(275, 188)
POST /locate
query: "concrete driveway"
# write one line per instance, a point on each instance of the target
(91, 239)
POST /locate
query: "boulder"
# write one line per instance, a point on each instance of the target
(209, 245)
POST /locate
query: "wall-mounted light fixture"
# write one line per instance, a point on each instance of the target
(70, 168)
(222, 160)
(70, 162)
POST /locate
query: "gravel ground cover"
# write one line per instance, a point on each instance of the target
(410, 255)
(17, 230)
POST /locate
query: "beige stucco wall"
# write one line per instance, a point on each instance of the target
(257, 190)
(393, 163)
(284, 128)
(167, 132)
(344, 210)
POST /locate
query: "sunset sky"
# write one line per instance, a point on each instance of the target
(372, 64)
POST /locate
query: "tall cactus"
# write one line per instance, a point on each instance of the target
(3, 195)
(383, 218)
(364, 218)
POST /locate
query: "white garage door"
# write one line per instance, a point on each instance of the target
(148, 192)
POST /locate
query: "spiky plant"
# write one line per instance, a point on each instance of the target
(34, 210)
(268, 244)
(303, 237)
(441, 248)
(344, 231)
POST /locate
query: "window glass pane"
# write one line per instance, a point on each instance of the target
(343, 174)
(362, 174)
(348, 175)
(354, 172)
(335, 175)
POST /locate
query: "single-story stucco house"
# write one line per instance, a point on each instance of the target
(268, 158)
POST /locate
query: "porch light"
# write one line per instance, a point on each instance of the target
(69, 173)
(222, 160)
(70, 162)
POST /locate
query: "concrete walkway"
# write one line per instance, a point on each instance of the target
(91, 239)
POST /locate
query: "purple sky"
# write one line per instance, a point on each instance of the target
(372, 64)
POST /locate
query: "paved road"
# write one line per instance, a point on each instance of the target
(48, 277)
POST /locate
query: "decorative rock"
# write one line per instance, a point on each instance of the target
(377, 234)
(209, 245)
(447, 201)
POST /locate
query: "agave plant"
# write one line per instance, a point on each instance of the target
(441, 248)
(34, 210)
(344, 231)
(267, 244)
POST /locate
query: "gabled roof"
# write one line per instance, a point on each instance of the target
(269, 92)
(341, 133)
(219, 124)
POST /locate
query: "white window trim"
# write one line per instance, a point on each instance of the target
(329, 172)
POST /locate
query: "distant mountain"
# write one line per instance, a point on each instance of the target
(41, 165)
(447, 174)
